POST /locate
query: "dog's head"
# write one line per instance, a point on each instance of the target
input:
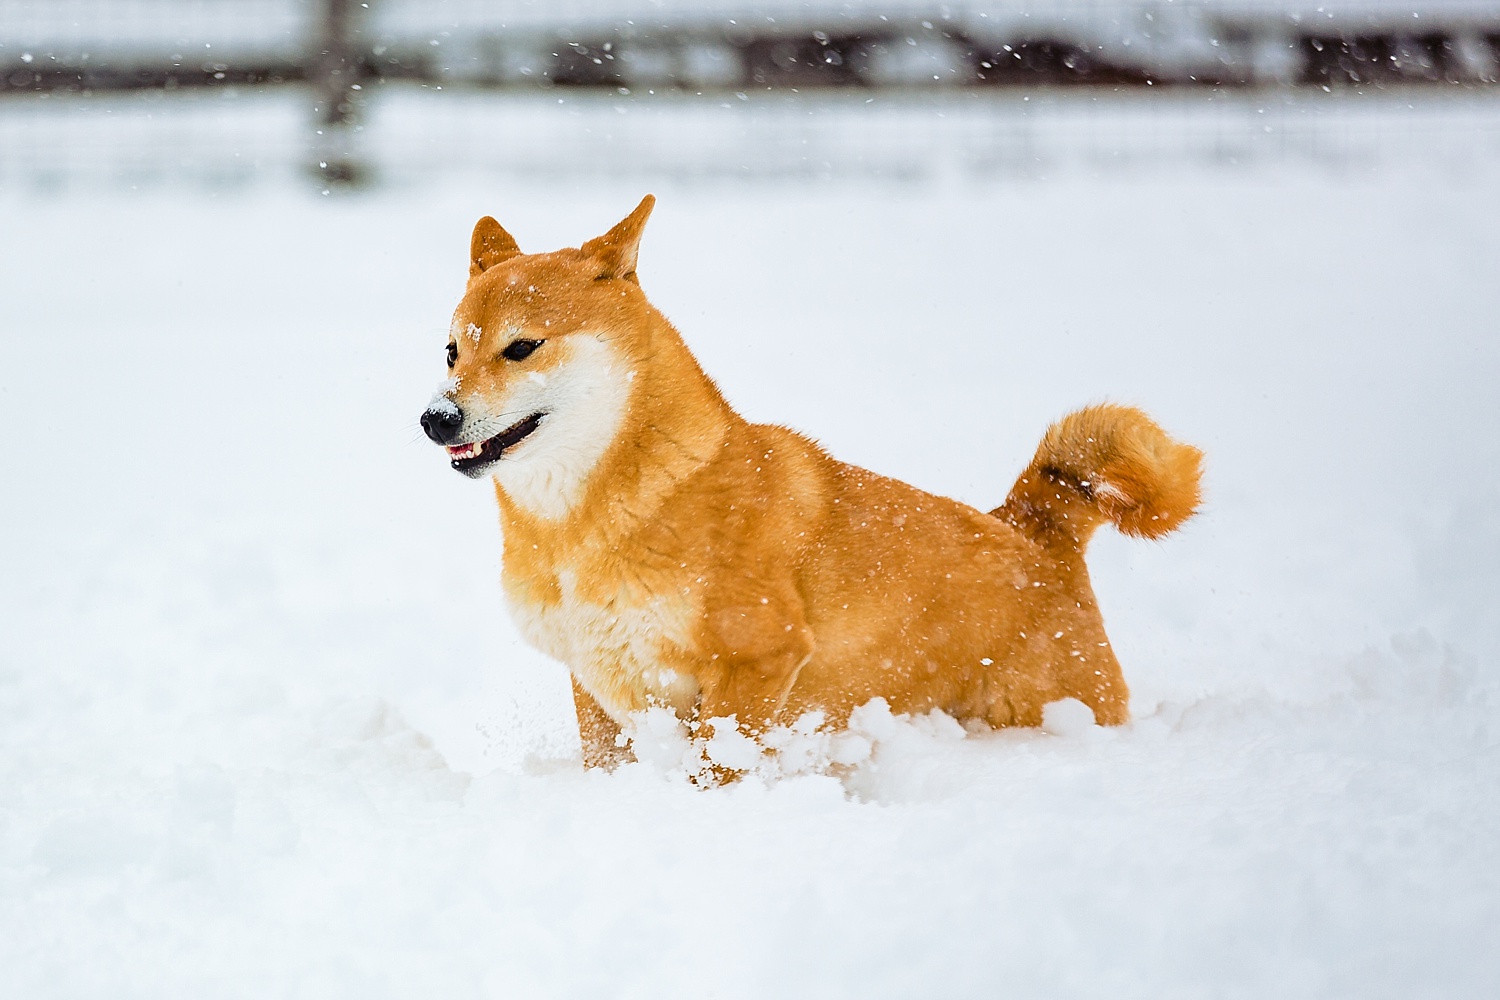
(538, 355)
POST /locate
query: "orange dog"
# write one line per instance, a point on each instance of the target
(673, 554)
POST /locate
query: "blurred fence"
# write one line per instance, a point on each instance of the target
(234, 89)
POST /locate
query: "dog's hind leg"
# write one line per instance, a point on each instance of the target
(598, 733)
(1093, 676)
(1068, 656)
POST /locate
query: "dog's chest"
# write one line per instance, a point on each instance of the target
(618, 647)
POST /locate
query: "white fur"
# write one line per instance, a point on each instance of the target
(583, 395)
(584, 398)
(613, 649)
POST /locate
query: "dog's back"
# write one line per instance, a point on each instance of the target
(933, 604)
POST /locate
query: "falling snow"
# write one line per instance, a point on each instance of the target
(265, 731)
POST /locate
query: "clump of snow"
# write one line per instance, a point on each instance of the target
(730, 748)
(1068, 717)
(722, 748)
(660, 740)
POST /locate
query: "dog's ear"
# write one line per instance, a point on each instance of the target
(489, 246)
(616, 250)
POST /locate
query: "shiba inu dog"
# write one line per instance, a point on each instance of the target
(671, 553)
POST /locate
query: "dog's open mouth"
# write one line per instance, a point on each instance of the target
(477, 453)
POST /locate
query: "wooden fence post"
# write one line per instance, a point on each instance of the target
(337, 73)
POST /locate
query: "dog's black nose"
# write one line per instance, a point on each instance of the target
(441, 422)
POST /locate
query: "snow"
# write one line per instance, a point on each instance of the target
(1068, 717)
(155, 29)
(265, 730)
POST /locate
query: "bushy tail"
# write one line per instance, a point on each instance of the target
(1105, 463)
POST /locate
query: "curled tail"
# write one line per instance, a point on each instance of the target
(1105, 463)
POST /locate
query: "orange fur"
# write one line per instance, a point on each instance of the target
(1105, 463)
(724, 568)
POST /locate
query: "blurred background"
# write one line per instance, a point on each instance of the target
(345, 93)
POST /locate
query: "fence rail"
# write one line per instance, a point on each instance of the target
(1158, 46)
(344, 51)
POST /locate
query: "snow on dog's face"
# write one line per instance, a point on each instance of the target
(539, 360)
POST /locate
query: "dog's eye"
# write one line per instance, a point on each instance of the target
(452, 354)
(520, 350)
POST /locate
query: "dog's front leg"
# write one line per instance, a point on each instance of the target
(762, 648)
(599, 734)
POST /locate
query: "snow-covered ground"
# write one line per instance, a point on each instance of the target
(265, 730)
